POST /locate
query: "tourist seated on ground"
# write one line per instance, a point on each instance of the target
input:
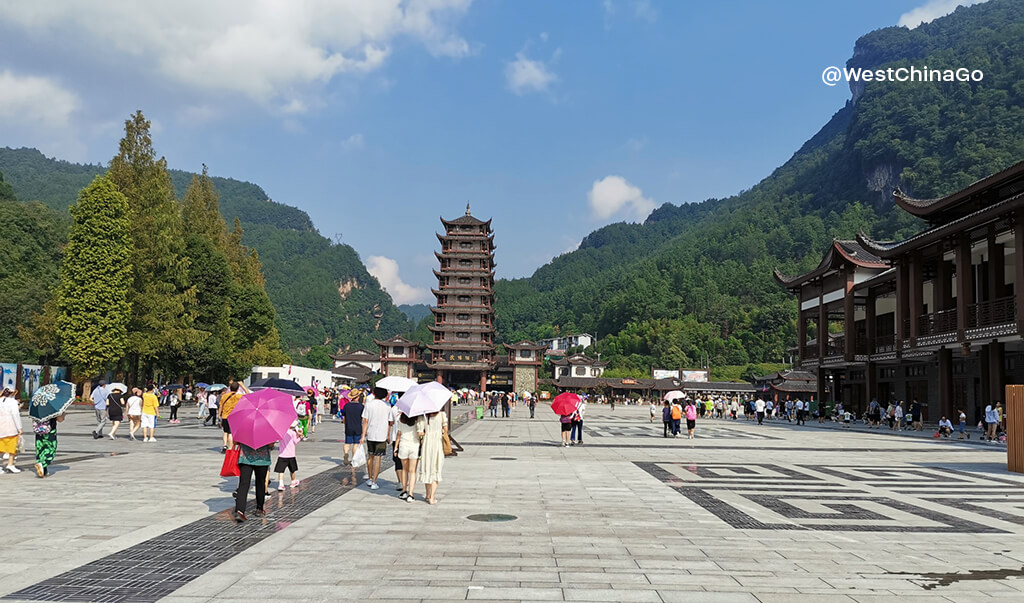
(945, 427)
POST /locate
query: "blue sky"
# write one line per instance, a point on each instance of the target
(377, 117)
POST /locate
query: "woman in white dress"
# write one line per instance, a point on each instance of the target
(432, 454)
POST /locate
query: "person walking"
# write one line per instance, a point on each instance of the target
(150, 411)
(115, 410)
(915, 416)
(677, 417)
(666, 418)
(302, 410)
(493, 405)
(376, 434)
(653, 409)
(352, 413)
(432, 457)
(286, 456)
(212, 401)
(576, 433)
(99, 404)
(408, 441)
(505, 406)
(691, 418)
(11, 427)
(134, 405)
(800, 420)
(898, 414)
(532, 403)
(235, 392)
(46, 443)
(991, 422)
(962, 425)
(174, 401)
(759, 410)
(251, 461)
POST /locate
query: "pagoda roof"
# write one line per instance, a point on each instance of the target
(467, 219)
(990, 188)
(357, 354)
(463, 291)
(461, 345)
(457, 253)
(459, 309)
(525, 345)
(461, 366)
(464, 272)
(578, 359)
(467, 236)
(889, 249)
(467, 328)
(838, 253)
(396, 340)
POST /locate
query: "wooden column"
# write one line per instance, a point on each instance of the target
(871, 375)
(1018, 268)
(822, 328)
(996, 269)
(996, 372)
(986, 379)
(942, 291)
(821, 386)
(801, 334)
(849, 317)
(870, 322)
(916, 303)
(946, 382)
(902, 301)
(963, 285)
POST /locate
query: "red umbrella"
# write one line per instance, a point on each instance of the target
(565, 404)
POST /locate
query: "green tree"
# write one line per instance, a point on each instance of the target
(163, 301)
(93, 309)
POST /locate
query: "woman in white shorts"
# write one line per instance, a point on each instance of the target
(134, 407)
(407, 441)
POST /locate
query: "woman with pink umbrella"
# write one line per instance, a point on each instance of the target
(257, 421)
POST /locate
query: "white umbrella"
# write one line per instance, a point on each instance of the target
(121, 387)
(674, 395)
(396, 384)
(424, 399)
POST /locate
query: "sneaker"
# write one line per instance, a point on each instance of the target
(280, 487)
(113, 437)
(146, 440)
(260, 513)
(239, 517)
(152, 439)
(13, 469)
(133, 438)
(374, 486)
(369, 482)
(403, 495)
(295, 483)
(39, 470)
(409, 498)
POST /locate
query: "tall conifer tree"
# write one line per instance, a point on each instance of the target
(93, 308)
(163, 304)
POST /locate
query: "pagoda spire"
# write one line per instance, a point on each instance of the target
(467, 208)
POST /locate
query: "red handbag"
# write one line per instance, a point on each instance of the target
(230, 466)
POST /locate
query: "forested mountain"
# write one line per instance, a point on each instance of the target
(696, 279)
(322, 292)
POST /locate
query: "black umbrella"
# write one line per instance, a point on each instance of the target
(282, 385)
(174, 386)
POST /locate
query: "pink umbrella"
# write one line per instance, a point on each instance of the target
(262, 417)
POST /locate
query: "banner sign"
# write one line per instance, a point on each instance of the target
(30, 378)
(664, 374)
(10, 375)
(695, 376)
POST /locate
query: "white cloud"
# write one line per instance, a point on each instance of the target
(385, 270)
(932, 10)
(353, 142)
(38, 111)
(36, 100)
(524, 75)
(268, 50)
(611, 194)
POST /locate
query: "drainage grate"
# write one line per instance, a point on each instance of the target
(491, 517)
(503, 458)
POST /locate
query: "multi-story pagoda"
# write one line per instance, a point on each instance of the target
(462, 352)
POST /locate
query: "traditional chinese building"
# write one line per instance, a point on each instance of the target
(936, 317)
(398, 357)
(462, 352)
(525, 358)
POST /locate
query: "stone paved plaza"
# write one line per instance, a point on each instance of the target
(741, 513)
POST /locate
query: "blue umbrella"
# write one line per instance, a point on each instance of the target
(202, 385)
(216, 387)
(51, 400)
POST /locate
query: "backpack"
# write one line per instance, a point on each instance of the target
(300, 409)
(677, 412)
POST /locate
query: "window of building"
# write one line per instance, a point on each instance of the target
(465, 245)
(581, 371)
(466, 263)
(464, 299)
(563, 372)
(595, 372)
(464, 280)
(526, 353)
(919, 370)
(462, 335)
(888, 373)
(398, 350)
(462, 316)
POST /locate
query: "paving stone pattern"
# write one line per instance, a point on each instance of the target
(741, 513)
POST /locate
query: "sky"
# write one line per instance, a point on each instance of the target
(378, 117)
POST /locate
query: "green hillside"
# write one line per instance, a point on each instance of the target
(696, 279)
(321, 291)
